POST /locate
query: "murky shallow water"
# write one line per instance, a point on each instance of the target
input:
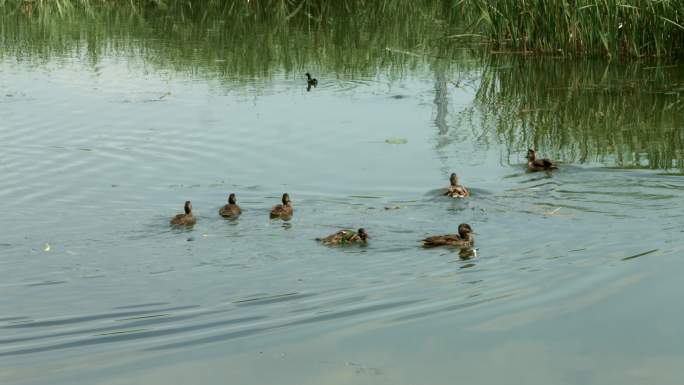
(575, 279)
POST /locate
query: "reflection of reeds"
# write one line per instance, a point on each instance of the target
(605, 27)
(236, 39)
(589, 112)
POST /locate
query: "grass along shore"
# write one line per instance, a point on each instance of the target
(607, 28)
(610, 28)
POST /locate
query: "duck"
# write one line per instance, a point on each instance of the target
(464, 238)
(345, 236)
(186, 219)
(455, 190)
(284, 210)
(310, 82)
(231, 210)
(534, 164)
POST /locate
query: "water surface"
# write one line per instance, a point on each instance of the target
(576, 274)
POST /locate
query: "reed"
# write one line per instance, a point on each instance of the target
(612, 28)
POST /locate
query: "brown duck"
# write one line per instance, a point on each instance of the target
(284, 210)
(231, 210)
(464, 238)
(186, 219)
(534, 164)
(455, 190)
(344, 237)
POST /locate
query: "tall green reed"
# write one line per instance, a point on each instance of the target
(635, 28)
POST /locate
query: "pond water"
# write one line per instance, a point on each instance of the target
(107, 131)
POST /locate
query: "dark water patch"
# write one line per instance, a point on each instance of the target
(330, 304)
(93, 276)
(8, 319)
(46, 283)
(165, 270)
(215, 338)
(258, 330)
(272, 299)
(115, 337)
(68, 321)
(141, 305)
(353, 312)
(640, 255)
(449, 308)
(125, 323)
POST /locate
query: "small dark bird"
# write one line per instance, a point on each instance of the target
(310, 82)
(186, 219)
(534, 164)
(231, 210)
(284, 210)
(344, 237)
(464, 238)
(455, 190)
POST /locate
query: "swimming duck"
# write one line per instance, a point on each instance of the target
(284, 210)
(534, 164)
(310, 82)
(186, 219)
(344, 237)
(455, 190)
(231, 210)
(464, 238)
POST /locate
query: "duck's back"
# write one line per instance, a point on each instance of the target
(183, 219)
(230, 210)
(542, 164)
(279, 211)
(457, 192)
(342, 236)
(441, 240)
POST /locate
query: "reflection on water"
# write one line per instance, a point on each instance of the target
(108, 131)
(627, 115)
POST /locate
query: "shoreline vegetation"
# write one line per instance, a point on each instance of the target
(608, 28)
(597, 28)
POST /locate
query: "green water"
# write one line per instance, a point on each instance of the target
(111, 120)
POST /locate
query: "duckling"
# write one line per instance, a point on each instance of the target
(345, 237)
(455, 190)
(186, 219)
(284, 210)
(534, 164)
(464, 238)
(310, 82)
(231, 210)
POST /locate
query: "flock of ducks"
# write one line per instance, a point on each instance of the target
(284, 211)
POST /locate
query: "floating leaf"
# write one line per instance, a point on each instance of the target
(396, 141)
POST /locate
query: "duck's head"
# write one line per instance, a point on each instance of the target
(231, 199)
(531, 155)
(286, 199)
(308, 76)
(465, 231)
(453, 179)
(188, 207)
(363, 234)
